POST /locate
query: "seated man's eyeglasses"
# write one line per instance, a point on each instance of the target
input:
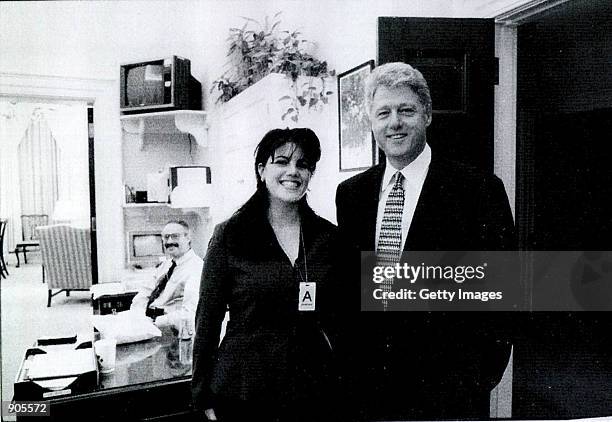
(173, 236)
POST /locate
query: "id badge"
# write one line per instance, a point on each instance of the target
(307, 297)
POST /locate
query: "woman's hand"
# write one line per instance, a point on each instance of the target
(210, 414)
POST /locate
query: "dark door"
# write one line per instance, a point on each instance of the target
(573, 181)
(92, 195)
(457, 57)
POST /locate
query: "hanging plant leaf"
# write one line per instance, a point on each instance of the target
(289, 111)
(249, 20)
(260, 48)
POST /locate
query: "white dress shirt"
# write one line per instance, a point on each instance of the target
(414, 177)
(180, 297)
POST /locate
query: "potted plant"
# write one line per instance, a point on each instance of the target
(256, 50)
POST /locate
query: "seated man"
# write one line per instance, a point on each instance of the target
(173, 293)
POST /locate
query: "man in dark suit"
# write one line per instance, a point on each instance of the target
(419, 365)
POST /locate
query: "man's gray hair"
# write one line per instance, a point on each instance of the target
(180, 223)
(395, 75)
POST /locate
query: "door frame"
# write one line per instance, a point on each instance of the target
(98, 92)
(516, 132)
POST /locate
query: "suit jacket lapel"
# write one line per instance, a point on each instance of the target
(371, 192)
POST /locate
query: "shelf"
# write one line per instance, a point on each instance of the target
(146, 205)
(168, 122)
(161, 204)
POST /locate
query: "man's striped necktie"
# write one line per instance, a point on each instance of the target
(389, 246)
(161, 284)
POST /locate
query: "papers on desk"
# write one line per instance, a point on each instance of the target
(101, 289)
(126, 327)
(53, 370)
(60, 364)
(56, 384)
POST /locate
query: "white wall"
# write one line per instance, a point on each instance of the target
(90, 39)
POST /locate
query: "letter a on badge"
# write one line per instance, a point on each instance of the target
(307, 296)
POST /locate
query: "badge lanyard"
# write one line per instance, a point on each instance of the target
(308, 291)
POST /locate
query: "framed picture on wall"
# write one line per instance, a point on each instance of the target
(357, 146)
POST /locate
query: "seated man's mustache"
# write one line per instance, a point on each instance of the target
(168, 245)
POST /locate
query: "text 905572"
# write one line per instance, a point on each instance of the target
(25, 408)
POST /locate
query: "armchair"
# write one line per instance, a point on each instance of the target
(29, 223)
(66, 258)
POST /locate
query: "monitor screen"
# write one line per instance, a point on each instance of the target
(145, 85)
(147, 245)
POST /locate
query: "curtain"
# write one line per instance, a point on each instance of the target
(66, 125)
(38, 168)
(14, 120)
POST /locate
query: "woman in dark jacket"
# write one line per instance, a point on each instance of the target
(271, 266)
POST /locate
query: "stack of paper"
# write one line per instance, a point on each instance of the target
(101, 289)
(60, 363)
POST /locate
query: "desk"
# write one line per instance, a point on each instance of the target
(158, 359)
(151, 382)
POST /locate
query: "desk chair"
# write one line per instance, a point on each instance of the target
(66, 258)
(29, 223)
(3, 268)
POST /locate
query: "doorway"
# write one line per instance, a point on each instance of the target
(47, 167)
(99, 93)
(563, 367)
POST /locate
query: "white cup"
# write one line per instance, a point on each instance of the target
(106, 351)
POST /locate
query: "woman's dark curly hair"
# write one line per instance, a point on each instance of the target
(302, 138)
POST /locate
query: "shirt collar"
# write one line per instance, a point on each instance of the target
(416, 170)
(185, 257)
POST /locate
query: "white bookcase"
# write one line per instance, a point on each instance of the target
(156, 141)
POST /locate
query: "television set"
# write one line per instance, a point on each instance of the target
(159, 85)
(144, 248)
